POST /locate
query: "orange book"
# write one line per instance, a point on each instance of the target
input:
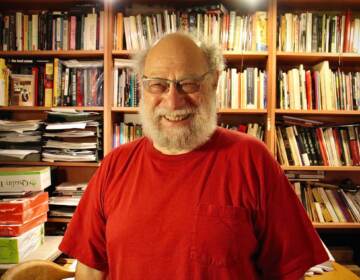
(119, 31)
(308, 87)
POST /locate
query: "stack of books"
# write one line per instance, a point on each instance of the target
(20, 140)
(71, 135)
(23, 211)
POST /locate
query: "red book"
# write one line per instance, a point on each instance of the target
(316, 90)
(320, 138)
(79, 88)
(337, 140)
(35, 73)
(242, 128)
(309, 93)
(347, 31)
(17, 229)
(354, 148)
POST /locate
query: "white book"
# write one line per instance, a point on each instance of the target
(308, 31)
(35, 28)
(101, 30)
(116, 82)
(19, 31)
(234, 89)
(65, 42)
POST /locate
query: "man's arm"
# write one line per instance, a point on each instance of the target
(84, 272)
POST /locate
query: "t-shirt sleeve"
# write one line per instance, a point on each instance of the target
(289, 243)
(84, 238)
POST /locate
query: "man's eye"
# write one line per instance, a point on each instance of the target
(190, 86)
(157, 86)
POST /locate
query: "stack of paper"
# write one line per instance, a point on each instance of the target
(65, 199)
(20, 140)
(71, 135)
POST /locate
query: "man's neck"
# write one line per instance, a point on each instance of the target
(169, 151)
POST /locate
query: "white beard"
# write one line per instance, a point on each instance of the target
(185, 138)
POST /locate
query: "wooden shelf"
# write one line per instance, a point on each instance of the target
(324, 168)
(229, 55)
(317, 112)
(318, 4)
(242, 111)
(131, 110)
(50, 54)
(58, 220)
(40, 108)
(315, 57)
(44, 163)
(337, 225)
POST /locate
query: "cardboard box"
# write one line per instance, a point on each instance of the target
(16, 179)
(15, 249)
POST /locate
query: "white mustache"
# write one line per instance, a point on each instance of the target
(161, 112)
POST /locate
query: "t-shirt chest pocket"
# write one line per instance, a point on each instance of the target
(222, 235)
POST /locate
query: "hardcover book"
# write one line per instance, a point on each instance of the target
(22, 90)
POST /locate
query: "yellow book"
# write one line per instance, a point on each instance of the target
(56, 93)
(48, 83)
(4, 83)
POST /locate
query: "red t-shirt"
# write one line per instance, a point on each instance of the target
(222, 211)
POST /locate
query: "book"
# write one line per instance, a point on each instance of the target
(24, 178)
(22, 90)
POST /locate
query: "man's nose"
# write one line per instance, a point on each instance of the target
(174, 98)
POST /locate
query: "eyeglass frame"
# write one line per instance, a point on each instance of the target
(177, 84)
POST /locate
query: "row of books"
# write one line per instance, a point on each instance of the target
(45, 82)
(254, 129)
(23, 211)
(126, 132)
(215, 23)
(319, 88)
(65, 136)
(319, 32)
(126, 88)
(242, 90)
(81, 28)
(327, 203)
(328, 146)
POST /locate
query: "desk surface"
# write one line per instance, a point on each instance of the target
(340, 273)
(48, 251)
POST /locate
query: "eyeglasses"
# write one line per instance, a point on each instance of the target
(185, 86)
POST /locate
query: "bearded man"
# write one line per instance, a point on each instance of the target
(189, 200)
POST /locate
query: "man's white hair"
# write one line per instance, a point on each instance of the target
(213, 52)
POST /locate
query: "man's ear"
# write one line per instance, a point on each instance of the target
(215, 79)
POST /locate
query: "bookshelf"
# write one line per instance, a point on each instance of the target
(271, 60)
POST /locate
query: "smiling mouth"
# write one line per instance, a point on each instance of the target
(177, 118)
